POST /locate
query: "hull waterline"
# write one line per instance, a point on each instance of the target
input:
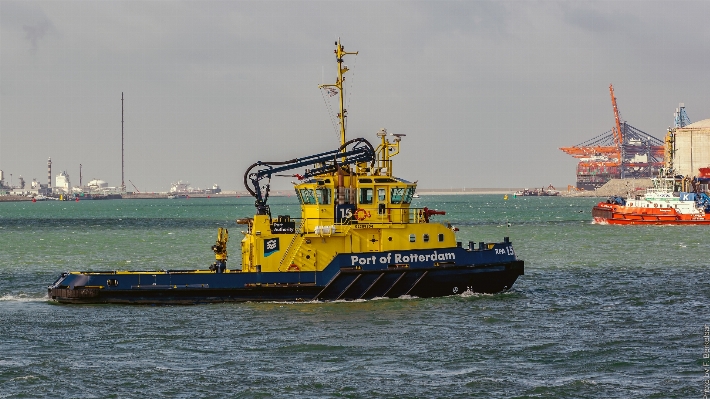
(347, 284)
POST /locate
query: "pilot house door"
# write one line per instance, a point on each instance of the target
(381, 204)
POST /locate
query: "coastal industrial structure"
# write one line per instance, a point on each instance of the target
(62, 188)
(62, 183)
(622, 152)
(688, 149)
(679, 194)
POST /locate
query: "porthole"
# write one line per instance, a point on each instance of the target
(425, 238)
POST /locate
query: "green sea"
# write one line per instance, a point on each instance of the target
(601, 312)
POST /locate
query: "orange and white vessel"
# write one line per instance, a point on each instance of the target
(660, 205)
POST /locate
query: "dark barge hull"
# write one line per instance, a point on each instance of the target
(348, 283)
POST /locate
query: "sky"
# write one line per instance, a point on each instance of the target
(486, 92)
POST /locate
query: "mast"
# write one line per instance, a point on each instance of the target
(339, 54)
(123, 182)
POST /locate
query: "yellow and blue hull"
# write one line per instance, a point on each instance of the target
(491, 268)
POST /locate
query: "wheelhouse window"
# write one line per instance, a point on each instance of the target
(381, 194)
(323, 196)
(298, 195)
(366, 195)
(396, 195)
(408, 195)
(307, 197)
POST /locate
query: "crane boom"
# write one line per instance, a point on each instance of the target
(360, 151)
(618, 134)
(134, 186)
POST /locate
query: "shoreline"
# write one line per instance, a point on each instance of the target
(601, 193)
(481, 191)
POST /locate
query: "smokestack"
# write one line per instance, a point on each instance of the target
(49, 173)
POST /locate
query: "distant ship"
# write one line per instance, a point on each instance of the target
(660, 205)
(182, 189)
(550, 191)
(97, 189)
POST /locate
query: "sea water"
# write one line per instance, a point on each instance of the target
(601, 312)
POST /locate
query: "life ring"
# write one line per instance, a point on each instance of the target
(293, 267)
(655, 205)
(361, 214)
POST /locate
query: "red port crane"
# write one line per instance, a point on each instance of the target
(622, 152)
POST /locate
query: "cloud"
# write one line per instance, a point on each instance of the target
(37, 32)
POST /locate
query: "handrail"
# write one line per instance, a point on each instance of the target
(390, 216)
(298, 230)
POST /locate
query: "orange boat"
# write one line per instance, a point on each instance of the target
(658, 206)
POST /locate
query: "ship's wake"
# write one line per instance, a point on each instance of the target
(21, 297)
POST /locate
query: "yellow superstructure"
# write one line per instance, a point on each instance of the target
(353, 208)
(375, 216)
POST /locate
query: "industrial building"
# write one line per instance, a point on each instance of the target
(62, 183)
(689, 148)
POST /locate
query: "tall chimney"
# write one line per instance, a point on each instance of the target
(123, 182)
(49, 173)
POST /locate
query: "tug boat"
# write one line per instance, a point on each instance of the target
(357, 237)
(659, 205)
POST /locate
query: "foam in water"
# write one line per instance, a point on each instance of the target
(23, 298)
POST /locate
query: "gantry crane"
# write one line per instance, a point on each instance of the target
(622, 152)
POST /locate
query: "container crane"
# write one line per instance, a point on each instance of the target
(624, 151)
(616, 130)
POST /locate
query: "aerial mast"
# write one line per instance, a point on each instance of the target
(339, 54)
(123, 183)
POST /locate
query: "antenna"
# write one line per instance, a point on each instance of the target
(339, 54)
(123, 183)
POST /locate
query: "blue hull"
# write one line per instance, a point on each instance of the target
(430, 273)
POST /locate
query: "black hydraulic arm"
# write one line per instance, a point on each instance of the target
(352, 152)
